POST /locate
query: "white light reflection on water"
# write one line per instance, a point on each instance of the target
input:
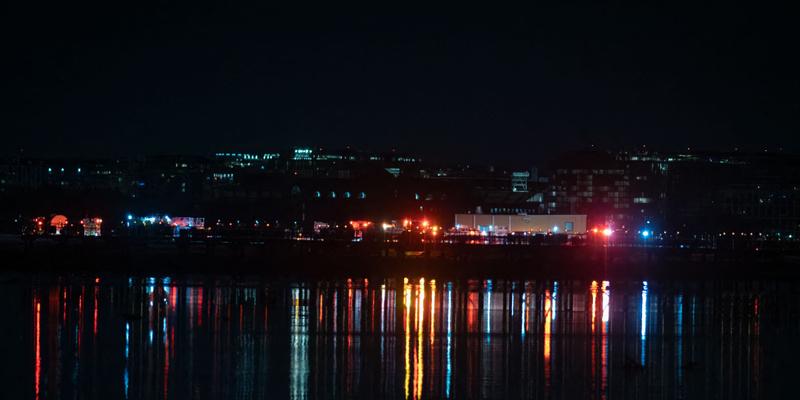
(298, 360)
(488, 309)
(644, 324)
(383, 319)
(606, 296)
(555, 296)
(522, 313)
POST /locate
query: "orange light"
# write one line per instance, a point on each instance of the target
(425, 223)
(607, 232)
(594, 230)
(406, 222)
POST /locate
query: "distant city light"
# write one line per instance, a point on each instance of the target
(645, 233)
(555, 228)
(607, 232)
(130, 217)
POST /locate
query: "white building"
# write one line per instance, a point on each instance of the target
(532, 224)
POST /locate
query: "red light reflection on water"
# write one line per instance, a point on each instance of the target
(94, 318)
(547, 330)
(604, 340)
(594, 342)
(38, 366)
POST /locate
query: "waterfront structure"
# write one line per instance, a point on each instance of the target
(570, 224)
(92, 227)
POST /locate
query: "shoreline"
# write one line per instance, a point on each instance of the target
(297, 259)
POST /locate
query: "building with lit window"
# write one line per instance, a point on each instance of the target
(524, 224)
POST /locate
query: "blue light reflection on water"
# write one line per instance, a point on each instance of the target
(354, 340)
(127, 354)
(643, 350)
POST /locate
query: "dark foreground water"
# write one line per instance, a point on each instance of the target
(211, 337)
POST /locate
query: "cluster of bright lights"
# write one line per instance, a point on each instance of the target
(358, 225)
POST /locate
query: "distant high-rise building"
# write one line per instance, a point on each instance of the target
(519, 181)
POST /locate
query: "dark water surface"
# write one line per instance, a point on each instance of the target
(211, 337)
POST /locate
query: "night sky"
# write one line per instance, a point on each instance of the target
(454, 84)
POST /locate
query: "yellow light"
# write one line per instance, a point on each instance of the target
(607, 232)
(425, 223)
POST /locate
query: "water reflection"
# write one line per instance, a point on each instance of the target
(158, 337)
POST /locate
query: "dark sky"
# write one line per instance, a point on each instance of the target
(518, 84)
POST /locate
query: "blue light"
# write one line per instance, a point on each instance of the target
(645, 234)
(130, 217)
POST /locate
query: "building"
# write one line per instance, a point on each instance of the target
(519, 181)
(571, 224)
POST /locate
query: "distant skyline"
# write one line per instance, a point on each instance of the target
(458, 84)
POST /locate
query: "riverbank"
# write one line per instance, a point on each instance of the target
(295, 259)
